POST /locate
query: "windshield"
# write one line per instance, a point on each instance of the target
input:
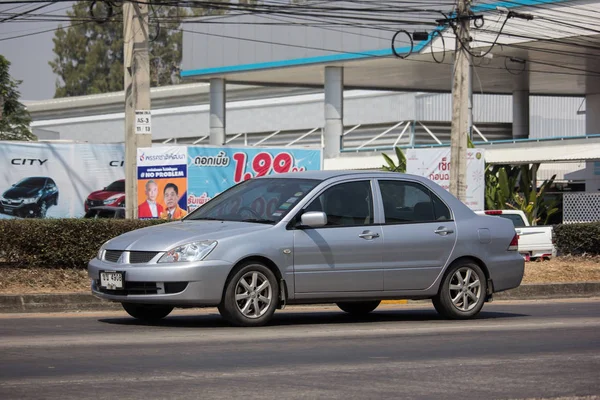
(257, 200)
(32, 182)
(118, 186)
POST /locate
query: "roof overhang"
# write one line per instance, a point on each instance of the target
(563, 61)
(525, 151)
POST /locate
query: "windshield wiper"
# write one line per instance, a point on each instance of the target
(259, 220)
(206, 219)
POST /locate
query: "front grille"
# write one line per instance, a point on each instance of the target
(12, 203)
(142, 288)
(95, 203)
(141, 257)
(113, 255)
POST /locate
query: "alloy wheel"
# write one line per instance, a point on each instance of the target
(465, 289)
(253, 294)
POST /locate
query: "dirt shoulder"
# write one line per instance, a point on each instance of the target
(65, 280)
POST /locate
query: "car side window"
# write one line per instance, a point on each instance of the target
(409, 202)
(346, 204)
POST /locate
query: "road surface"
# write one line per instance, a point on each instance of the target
(515, 350)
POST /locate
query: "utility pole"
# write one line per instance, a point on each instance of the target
(137, 94)
(460, 103)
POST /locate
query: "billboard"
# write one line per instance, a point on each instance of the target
(435, 165)
(58, 180)
(162, 182)
(212, 170)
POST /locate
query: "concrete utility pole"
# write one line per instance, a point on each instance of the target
(137, 95)
(460, 104)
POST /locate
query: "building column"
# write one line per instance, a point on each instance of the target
(217, 112)
(592, 114)
(592, 127)
(334, 110)
(520, 97)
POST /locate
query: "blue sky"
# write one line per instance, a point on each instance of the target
(30, 55)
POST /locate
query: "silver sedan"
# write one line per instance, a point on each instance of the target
(353, 238)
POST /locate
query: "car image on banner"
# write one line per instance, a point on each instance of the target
(30, 197)
(112, 195)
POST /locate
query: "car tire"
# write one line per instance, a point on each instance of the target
(43, 210)
(462, 292)
(359, 307)
(147, 312)
(251, 295)
(56, 200)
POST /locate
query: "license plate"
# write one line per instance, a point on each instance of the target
(111, 280)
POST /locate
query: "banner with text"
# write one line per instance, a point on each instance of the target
(162, 182)
(59, 180)
(212, 170)
(435, 165)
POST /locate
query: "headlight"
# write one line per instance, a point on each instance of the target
(101, 251)
(30, 200)
(110, 200)
(195, 251)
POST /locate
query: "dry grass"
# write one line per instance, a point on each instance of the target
(43, 280)
(562, 270)
(66, 280)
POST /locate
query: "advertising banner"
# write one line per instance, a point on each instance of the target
(212, 170)
(59, 180)
(162, 182)
(435, 165)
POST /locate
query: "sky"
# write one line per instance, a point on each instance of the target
(29, 56)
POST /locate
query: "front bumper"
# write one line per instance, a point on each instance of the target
(21, 209)
(179, 284)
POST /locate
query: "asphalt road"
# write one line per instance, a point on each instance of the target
(515, 350)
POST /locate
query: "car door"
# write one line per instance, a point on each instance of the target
(344, 255)
(419, 234)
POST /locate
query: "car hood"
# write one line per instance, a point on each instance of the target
(166, 236)
(103, 195)
(20, 192)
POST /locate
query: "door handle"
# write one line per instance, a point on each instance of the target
(368, 235)
(443, 231)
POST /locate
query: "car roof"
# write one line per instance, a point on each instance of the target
(325, 175)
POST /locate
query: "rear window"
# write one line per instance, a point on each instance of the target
(515, 218)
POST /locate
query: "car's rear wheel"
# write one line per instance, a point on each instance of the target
(147, 312)
(462, 292)
(358, 307)
(251, 295)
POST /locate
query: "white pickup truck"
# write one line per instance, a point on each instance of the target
(535, 242)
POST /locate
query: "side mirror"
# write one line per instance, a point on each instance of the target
(313, 219)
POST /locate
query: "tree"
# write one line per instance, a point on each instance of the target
(89, 55)
(14, 117)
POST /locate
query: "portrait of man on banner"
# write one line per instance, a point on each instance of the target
(171, 196)
(150, 208)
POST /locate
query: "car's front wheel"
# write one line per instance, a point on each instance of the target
(358, 307)
(147, 312)
(462, 292)
(251, 295)
(43, 209)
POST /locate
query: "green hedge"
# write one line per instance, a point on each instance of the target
(73, 242)
(577, 239)
(59, 242)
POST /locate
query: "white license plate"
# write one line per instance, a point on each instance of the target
(111, 280)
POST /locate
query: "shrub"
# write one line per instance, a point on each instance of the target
(577, 239)
(59, 242)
